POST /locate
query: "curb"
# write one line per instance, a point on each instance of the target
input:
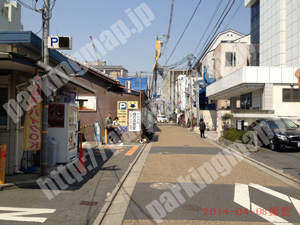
(10, 186)
(107, 205)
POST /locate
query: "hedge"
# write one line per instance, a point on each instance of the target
(234, 135)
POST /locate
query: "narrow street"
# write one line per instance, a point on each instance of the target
(166, 190)
(80, 203)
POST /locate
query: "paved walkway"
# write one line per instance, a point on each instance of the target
(183, 179)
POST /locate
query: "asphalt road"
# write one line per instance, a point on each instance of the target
(283, 160)
(80, 203)
(238, 193)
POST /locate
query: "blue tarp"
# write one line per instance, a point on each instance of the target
(135, 82)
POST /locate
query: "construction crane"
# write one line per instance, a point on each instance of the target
(95, 50)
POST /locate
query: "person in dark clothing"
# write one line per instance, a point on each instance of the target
(109, 127)
(202, 127)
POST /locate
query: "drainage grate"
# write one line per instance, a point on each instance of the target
(191, 208)
(163, 186)
(88, 203)
(164, 153)
(186, 145)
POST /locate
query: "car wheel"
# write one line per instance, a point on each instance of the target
(273, 145)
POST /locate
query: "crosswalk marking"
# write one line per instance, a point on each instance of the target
(18, 214)
(132, 150)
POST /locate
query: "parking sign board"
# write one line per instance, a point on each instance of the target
(122, 114)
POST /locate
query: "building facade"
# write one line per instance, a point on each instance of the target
(10, 16)
(169, 91)
(228, 52)
(269, 87)
(110, 70)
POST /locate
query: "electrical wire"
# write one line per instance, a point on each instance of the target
(196, 9)
(234, 14)
(215, 30)
(208, 25)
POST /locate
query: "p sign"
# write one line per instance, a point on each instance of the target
(122, 105)
(59, 42)
(53, 42)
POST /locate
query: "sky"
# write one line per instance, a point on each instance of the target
(135, 51)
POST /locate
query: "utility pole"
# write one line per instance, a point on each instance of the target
(191, 92)
(197, 100)
(140, 80)
(45, 56)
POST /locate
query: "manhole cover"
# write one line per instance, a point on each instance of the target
(163, 186)
(88, 203)
(192, 208)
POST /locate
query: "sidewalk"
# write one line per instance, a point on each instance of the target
(183, 179)
(212, 135)
(29, 180)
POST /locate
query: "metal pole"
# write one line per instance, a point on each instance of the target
(191, 94)
(174, 102)
(197, 100)
(140, 80)
(45, 56)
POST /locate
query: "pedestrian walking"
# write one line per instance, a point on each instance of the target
(202, 127)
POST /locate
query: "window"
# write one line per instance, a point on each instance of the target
(230, 59)
(246, 101)
(3, 100)
(290, 95)
(255, 26)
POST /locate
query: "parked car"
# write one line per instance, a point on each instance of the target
(162, 119)
(282, 133)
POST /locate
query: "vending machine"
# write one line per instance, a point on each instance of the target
(63, 126)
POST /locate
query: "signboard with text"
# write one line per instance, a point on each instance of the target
(134, 121)
(122, 115)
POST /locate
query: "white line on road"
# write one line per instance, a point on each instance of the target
(18, 214)
(241, 195)
(271, 192)
(273, 219)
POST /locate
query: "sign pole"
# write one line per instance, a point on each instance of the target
(45, 56)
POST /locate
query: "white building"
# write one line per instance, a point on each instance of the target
(169, 92)
(269, 85)
(228, 52)
(10, 16)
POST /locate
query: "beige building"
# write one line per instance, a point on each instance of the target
(228, 52)
(111, 70)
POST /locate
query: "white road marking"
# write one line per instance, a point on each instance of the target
(241, 195)
(19, 213)
(271, 192)
(296, 203)
(273, 219)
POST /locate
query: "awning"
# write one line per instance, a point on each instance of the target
(10, 62)
(249, 79)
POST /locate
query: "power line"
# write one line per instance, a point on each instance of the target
(184, 31)
(234, 14)
(208, 25)
(216, 28)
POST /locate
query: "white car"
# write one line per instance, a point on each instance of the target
(162, 119)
